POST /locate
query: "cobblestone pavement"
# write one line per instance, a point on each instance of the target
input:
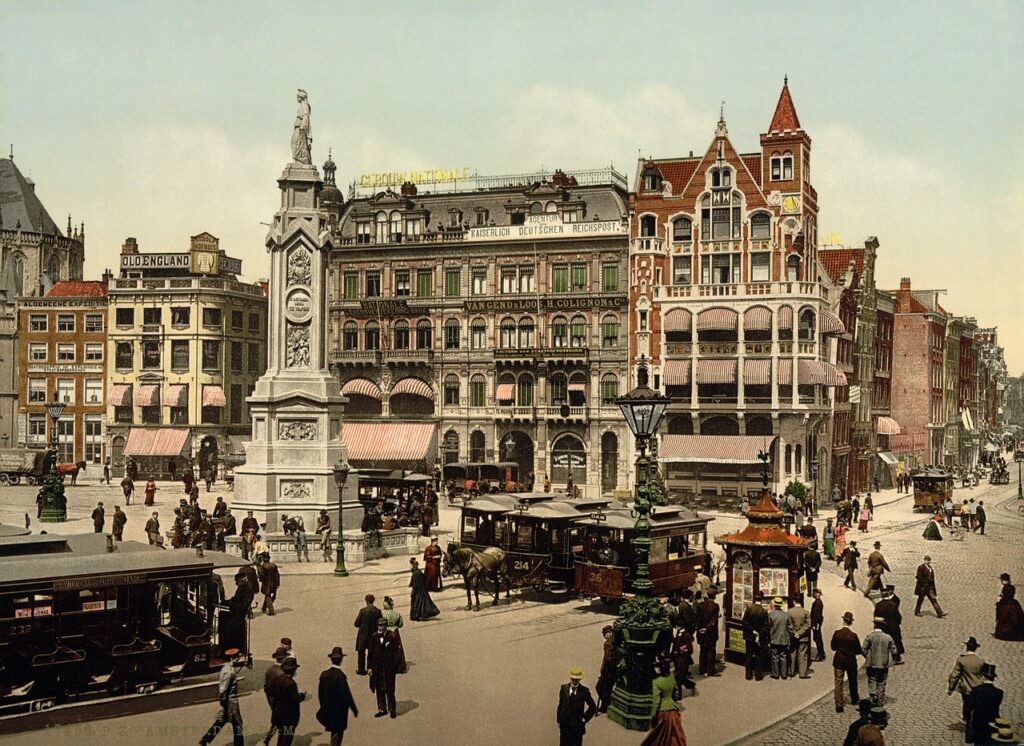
(967, 578)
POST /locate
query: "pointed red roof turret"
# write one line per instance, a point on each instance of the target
(785, 113)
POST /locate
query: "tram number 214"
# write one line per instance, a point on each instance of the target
(521, 565)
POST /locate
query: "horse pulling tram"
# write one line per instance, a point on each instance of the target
(81, 618)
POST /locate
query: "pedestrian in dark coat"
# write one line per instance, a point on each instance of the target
(382, 662)
(708, 612)
(846, 646)
(335, 698)
(985, 701)
(98, 518)
(575, 709)
(366, 623)
(421, 607)
(285, 713)
(117, 525)
(812, 565)
(270, 582)
(849, 560)
(889, 611)
(210, 476)
(817, 619)
(980, 515)
(925, 587)
(609, 665)
(756, 632)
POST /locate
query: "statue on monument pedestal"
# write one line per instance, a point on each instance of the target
(302, 140)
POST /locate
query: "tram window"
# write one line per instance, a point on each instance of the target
(677, 547)
(659, 550)
(7, 607)
(556, 537)
(469, 526)
(575, 540)
(524, 539)
(499, 532)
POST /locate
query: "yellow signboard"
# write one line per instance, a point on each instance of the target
(427, 176)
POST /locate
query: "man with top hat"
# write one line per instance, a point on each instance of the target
(983, 707)
(781, 631)
(817, 619)
(925, 587)
(756, 633)
(864, 710)
(846, 646)
(876, 566)
(879, 650)
(849, 559)
(889, 610)
(284, 650)
(707, 612)
(284, 715)
(335, 698)
(966, 674)
(227, 693)
(382, 663)
(575, 709)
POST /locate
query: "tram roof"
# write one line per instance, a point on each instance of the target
(494, 502)
(50, 556)
(664, 515)
(554, 509)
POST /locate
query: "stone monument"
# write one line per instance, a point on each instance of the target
(296, 407)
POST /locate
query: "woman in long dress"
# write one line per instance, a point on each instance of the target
(609, 664)
(1009, 616)
(841, 530)
(421, 607)
(395, 623)
(667, 728)
(865, 516)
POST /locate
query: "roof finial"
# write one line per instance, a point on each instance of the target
(721, 130)
(785, 79)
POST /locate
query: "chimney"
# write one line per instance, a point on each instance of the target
(559, 180)
(905, 283)
(408, 189)
(903, 296)
(107, 276)
(130, 246)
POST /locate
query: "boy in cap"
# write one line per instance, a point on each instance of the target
(576, 707)
(335, 698)
(228, 699)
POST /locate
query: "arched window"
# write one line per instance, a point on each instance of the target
(550, 207)
(536, 208)
(609, 389)
(787, 166)
(760, 225)
(787, 464)
(610, 331)
(524, 395)
(451, 447)
(807, 325)
(371, 336)
(452, 333)
(400, 341)
(478, 334)
(477, 446)
(19, 274)
(578, 332)
(424, 335)
(455, 218)
(793, 268)
(350, 336)
(682, 230)
(507, 335)
(396, 227)
(559, 389)
(451, 390)
(526, 334)
(478, 391)
(559, 332)
(776, 170)
(380, 233)
(648, 226)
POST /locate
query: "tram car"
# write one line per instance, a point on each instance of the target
(606, 565)
(82, 618)
(931, 488)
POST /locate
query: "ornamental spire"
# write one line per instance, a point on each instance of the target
(785, 113)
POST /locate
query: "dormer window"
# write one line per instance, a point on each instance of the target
(455, 218)
(550, 208)
(651, 179)
(363, 232)
(481, 216)
(413, 228)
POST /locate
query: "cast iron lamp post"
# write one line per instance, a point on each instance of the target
(1018, 456)
(642, 620)
(54, 503)
(341, 470)
(814, 487)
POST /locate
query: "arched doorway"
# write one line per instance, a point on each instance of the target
(117, 455)
(517, 446)
(568, 457)
(451, 447)
(609, 462)
(477, 446)
(680, 425)
(720, 425)
(364, 398)
(207, 457)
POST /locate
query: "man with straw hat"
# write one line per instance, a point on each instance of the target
(576, 707)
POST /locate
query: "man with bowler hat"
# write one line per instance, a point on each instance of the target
(366, 623)
(889, 610)
(284, 651)
(966, 674)
(382, 662)
(925, 587)
(707, 633)
(756, 632)
(285, 713)
(335, 699)
(846, 646)
(576, 707)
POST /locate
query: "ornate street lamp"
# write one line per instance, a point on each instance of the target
(341, 471)
(55, 505)
(814, 487)
(642, 621)
(1018, 456)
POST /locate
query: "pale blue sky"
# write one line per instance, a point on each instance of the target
(160, 120)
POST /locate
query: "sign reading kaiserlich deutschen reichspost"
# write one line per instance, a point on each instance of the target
(546, 229)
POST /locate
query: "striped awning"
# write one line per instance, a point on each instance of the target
(677, 320)
(757, 319)
(361, 387)
(785, 372)
(121, 395)
(716, 371)
(887, 426)
(176, 395)
(816, 372)
(158, 441)
(414, 386)
(831, 324)
(717, 319)
(578, 387)
(213, 396)
(389, 444)
(505, 392)
(757, 372)
(712, 449)
(149, 395)
(677, 373)
(786, 317)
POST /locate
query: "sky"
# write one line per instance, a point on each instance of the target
(160, 120)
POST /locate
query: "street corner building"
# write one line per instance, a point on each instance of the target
(186, 342)
(727, 304)
(494, 308)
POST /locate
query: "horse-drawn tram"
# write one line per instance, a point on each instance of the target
(83, 619)
(606, 565)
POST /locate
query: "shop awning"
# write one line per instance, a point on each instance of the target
(176, 395)
(716, 371)
(967, 420)
(831, 324)
(505, 392)
(816, 372)
(757, 372)
(888, 458)
(121, 395)
(717, 319)
(395, 445)
(677, 373)
(757, 319)
(712, 449)
(785, 372)
(213, 396)
(786, 317)
(414, 386)
(149, 395)
(159, 441)
(578, 387)
(361, 387)
(887, 426)
(677, 320)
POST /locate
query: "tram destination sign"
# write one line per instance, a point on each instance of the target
(530, 305)
(101, 581)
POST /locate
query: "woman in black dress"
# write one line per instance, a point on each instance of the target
(1009, 616)
(420, 605)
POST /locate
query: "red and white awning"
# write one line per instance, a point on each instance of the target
(505, 392)
(677, 373)
(389, 444)
(149, 395)
(213, 396)
(831, 324)
(677, 320)
(361, 387)
(817, 372)
(176, 395)
(757, 372)
(158, 441)
(786, 317)
(887, 426)
(578, 387)
(712, 449)
(121, 395)
(757, 319)
(717, 319)
(414, 386)
(716, 371)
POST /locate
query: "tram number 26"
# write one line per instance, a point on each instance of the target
(523, 565)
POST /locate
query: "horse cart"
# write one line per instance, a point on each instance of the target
(464, 481)
(1000, 475)
(931, 488)
(17, 464)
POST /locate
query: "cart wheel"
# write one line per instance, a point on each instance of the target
(4, 480)
(15, 479)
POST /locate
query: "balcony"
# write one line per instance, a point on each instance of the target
(518, 414)
(566, 413)
(355, 357)
(648, 243)
(415, 357)
(807, 290)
